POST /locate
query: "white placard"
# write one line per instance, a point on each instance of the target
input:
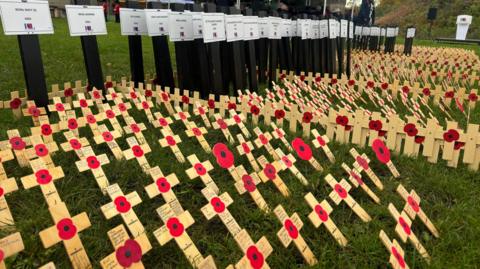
(365, 31)
(213, 27)
(390, 32)
(343, 28)
(323, 28)
(157, 21)
(305, 28)
(25, 18)
(315, 29)
(197, 25)
(382, 32)
(358, 30)
(350, 25)
(410, 32)
(293, 28)
(132, 21)
(250, 28)
(234, 27)
(274, 27)
(285, 27)
(396, 31)
(375, 31)
(333, 28)
(85, 20)
(263, 27)
(180, 26)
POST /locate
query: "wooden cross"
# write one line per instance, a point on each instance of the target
(249, 184)
(182, 116)
(45, 129)
(108, 137)
(218, 206)
(245, 148)
(433, 137)
(41, 150)
(9, 246)
(175, 228)
(340, 193)
(163, 185)
(82, 102)
(321, 141)
(92, 120)
(238, 120)
(128, 252)
(66, 229)
(123, 205)
(7, 185)
(146, 106)
(74, 143)
(291, 232)
(255, 255)
(396, 252)
(135, 128)
(321, 215)
(165, 99)
(33, 111)
(267, 112)
(170, 140)
(15, 104)
(263, 140)
(96, 96)
(111, 115)
(383, 155)
(471, 148)
(138, 152)
(359, 133)
(288, 162)
(112, 95)
(404, 231)
(201, 169)
(362, 164)
(60, 108)
(94, 163)
(202, 111)
(72, 123)
(122, 107)
(212, 104)
(18, 145)
(222, 124)
(198, 132)
(176, 97)
(412, 208)
(293, 117)
(162, 122)
(133, 95)
(270, 173)
(355, 178)
(44, 177)
(279, 133)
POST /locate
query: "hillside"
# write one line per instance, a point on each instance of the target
(414, 12)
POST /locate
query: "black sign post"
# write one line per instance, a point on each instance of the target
(251, 60)
(215, 62)
(201, 64)
(261, 46)
(237, 52)
(135, 51)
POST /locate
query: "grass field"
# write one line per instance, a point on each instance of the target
(450, 196)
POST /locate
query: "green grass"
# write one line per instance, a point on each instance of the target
(450, 196)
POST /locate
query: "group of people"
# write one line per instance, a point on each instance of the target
(116, 10)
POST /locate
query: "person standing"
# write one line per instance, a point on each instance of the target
(105, 10)
(116, 10)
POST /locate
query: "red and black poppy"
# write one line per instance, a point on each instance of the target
(232, 106)
(287, 161)
(382, 152)
(96, 94)
(340, 191)
(398, 257)
(458, 145)
(405, 89)
(110, 114)
(72, 124)
(107, 136)
(356, 177)
(254, 110)
(165, 96)
(200, 169)
(66, 229)
(223, 125)
(83, 103)
(473, 97)
(291, 228)
(255, 257)
(245, 148)
(334, 81)
(75, 144)
(433, 74)
(175, 227)
(148, 93)
(196, 131)
(270, 171)
(15, 103)
(108, 84)
(129, 253)
(248, 183)
(46, 129)
(68, 92)
(163, 185)
(163, 122)
(17, 143)
(43, 176)
(135, 128)
(122, 204)
(307, 117)
(182, 115)
(362, 162)
(41, 150)
(133, 95)
(342, 120)
(375, 125)
(217, 205)
(303, 150)
(384, 86)
(279, 114)
(34, 111)
(419, 139)
(201, 110)
(237, 119)
(211, 103)
(138, 151)
(321, 141)
(59, 107)
(185, 99)
(449, 94)
(451, 135)
(93, 162)
(404, 225)
(321, 213)
(263, 139)
(145, 105)
(410, 129)
(170, 140)
(413, 204)
(426, 91)
(318, 79)
(224, 156)
(370, 84)
(302, 77)
(351, 82)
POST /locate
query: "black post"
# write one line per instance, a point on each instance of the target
(251, 59)
(182, 55)
(273, 64)
(349, 48)
(237, 49)
(261, 46)
(410, 34)
(201, 66)
(215, 62)
(135, 49)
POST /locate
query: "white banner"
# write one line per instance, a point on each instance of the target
(25, 17)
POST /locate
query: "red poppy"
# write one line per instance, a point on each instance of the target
(287, 161)
(46, 129)
(170, 140)
(291, 228)
(433, 74)
(122, 204)
(17, 143)
(382, 133)
(307, 117)
(134, 127)
(163, 122)
(72, 124)
(405, 226)
(321, 141)
(232, 106)
(263, 139)
(34, 111)
(405, 89)
(91, 119)
(75, 144)
(107, 136)
(356, 177)
(362, 162)
(473, 97)
(248, 183)
(223, 125)
(201, 111)
(92, 162)
(148, 93)
(279, 114)
(254, 110)
(2, 192)
(145, 105)
(211, 103)
(333, 81)
(165, 96)
(66, 229)
(237, 119)
(410, 129)
(270, 171)
(303, 150)
(59, 107)
(182, 115)
(302, 77)
(398, 257)
(255, 257)
(163, 185)
(196, 131)
(200, 169)
(451, 135)
(96, 94)
(110, 114)
(449, 94)
(322, 214)
(68, 92)
(370, 84)
(133, 95)
(413, 204)
(426, 91)
(224, 156)
(175, 227)
(340, 191)
(382, 152)
(282, 76)
(129, 253)
(41, 150)
(351, 82)
(375, 125)
(217, 205)
(318, 79)
(458, 145)
(384, 86)
(279, 132)
(138, 151)
(245, 148)
(114, 95)
(185, 99)
(419, 139)
(342, 120)
(15, 103)
(43, 176)
(83, 103)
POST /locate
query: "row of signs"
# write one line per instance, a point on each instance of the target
(380, 31)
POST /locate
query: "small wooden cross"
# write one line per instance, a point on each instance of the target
(44, 177)
(123, 205)
(92, 120)
(138, 152)
(355, 178)
(291, 232)
(245, 148)
(383, 155)
(171, 140)
(175, 228)
(288, 162)
(133, 95)
(340, 193)
(412, 208)
(404, 231)
(33, 111)
(321, 215)
(255, 255)
(198, 132)
(293, 116)
(263, 140)
(113, 95)
(111, 114)
(202, 111)
(74, 143)
(82, 102)
(279, 133)
(238, 120)
(128, 252)
(72, 123)
(9, 246)
(108, 137)
(396, 252)
(45, 129)
(362, 164)
(146, 106)
(41, 150)
(96, 96)
(321, 141)
(162, 122)
(17, 144)
(222, 124)
(135, 128)
(163, 185)
(182, 116)
(270, 173)
(15, 104)
(249, 184)
(177, 98)
(94, 163)
(201, 169)
(7, 185)
(122, 107)
(212, 104)
(66, 229)
(165, 100)
(60, 108)
(471, 149)
(267, 112)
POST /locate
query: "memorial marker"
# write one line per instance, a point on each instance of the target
(163, 185)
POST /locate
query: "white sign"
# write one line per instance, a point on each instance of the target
(323, 28)
(365, 31)
(180, 26)
(132, 21)
(293, 28)
(333, 28)
(263, 27)
(213, 27)
(315, 29)
(274, 27)
(358, 30)
(234, 27)
(285, 27)
(383, 32)
(375, 31)
(350, 25)
(396, 31)
(157, 21)
(410, 32)
(343, 28)
(305, 28)
(85, 20)
(390, 32)
(197, 25)
(25, 18)
(250, 28)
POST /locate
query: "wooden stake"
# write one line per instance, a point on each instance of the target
(396, 252)
(201, 169)
(245, 148)
(362, 164)
(9, 246)
(270, 173)
(44, 177)
(94, 163)
(163, 185)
